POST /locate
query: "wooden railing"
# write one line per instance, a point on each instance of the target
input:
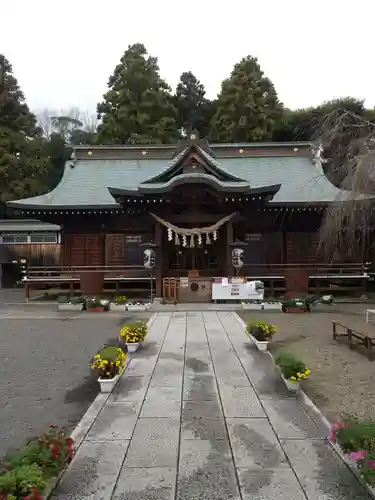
(322, 277)
(136, 279)
(74, 272)
(314, 270)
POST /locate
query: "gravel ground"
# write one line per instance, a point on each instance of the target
(44, 372)
(341, 380)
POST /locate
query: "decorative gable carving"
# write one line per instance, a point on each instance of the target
(193, 164)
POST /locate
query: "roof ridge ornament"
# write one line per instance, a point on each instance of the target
(193, 139)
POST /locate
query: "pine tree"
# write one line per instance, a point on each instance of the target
(138, 107)
(194, 110)
(248, 108)
(23, 167)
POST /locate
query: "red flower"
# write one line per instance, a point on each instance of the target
(52, 426)
(69, 441)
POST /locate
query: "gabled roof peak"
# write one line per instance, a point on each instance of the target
(199, 154)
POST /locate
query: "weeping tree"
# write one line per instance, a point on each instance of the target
(347, 147)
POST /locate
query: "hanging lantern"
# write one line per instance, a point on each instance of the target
(149, 256)
(237, 258)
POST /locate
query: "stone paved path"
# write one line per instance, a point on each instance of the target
(200, 414)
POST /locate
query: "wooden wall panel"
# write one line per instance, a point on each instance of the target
(114, 249)
(303, 248)
(264, 248)
(94, 252)
(37, 254)
(75, 249)
(84, 250)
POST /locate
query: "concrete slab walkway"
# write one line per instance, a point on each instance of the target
(200, 414)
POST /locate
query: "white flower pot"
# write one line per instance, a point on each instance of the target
(70, 307)
(252, 307)
(117, 307)
(273, 306)
(133, 347)
(262, 345)
(291, 386)
(108, 384)
(135, 308)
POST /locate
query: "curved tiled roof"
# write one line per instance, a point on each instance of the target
(86, 182)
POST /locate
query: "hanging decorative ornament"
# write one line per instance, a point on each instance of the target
(196, 235)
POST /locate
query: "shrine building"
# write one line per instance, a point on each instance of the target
(192, 203)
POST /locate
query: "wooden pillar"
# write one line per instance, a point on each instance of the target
(297, 282)
(159, 263)
(229, 241)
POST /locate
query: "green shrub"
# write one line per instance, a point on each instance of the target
(357, 435)
(78, 300)
(51, 452)
(357, 439)
(63, 299)
(23, 481)
(291, 367)
(296, 303)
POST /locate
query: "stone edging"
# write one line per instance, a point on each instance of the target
(309, 403)
(84, 425)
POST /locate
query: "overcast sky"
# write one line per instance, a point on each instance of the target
(63, 52)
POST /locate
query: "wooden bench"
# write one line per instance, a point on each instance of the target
(364, 338)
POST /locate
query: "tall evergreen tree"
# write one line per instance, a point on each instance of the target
(248, 108)
(138, 107)
(194, 110)
(23, 167)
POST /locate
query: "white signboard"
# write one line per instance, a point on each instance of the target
(237, 291)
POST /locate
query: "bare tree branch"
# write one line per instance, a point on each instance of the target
(65, 122)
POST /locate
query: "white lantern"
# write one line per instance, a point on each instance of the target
(237, 258)
(149, 258)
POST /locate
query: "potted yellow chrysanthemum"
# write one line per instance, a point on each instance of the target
(109, 364)
(260, 333)
(133, 334)
(119, 304)
(293, 371)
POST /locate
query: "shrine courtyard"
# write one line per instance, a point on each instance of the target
(204, 417)
(222, 429)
